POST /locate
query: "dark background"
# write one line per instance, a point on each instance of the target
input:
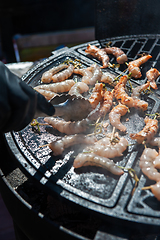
(39, 16)
(109, 17)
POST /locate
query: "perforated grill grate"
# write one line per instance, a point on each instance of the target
(91, 187)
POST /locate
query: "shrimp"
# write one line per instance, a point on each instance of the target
(152, 75)
(115, 116)
(148, 132)
(63, 75)
(69, 127)
(47, 94)
(78, 88)
(59, 146)
(137, 90)
(155, 188)
(91, 159)
(47, 76)
(108, 78)
(147, 164)
(98, 53)
(157, 162)
(107, 102)
(86, 73)
(155, 142)
(138, 103)
(133, 66)
(121, 95)
(49, 90)
(121, 57)
(106, 148)
(96, 95)
(96, 74)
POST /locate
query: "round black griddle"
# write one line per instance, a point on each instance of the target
(93, 188)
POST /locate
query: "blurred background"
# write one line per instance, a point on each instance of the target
(31, 29)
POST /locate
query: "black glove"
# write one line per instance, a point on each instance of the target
(18, 102)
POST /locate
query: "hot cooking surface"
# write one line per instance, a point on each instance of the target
(91, 187)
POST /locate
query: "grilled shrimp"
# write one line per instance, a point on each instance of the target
(137, 90)
(108, 78)
(59, 146)
(152, 75)
(121, 95)
(63, 75)
(47, 76)
(107, 102)
(96, 95)
(148, 132)
(155, 142)
(147, 164)
(115, 116)
(49, 90)
(86, 73)
(121, 57)
(155, 190)
(96, 74)
(78, 88)
(157, 162)
(91, 159)
(98, 53)
(47, 94)
(106, 148)
(133, 66)
(120, 92)
(140, 104)
(68, 127)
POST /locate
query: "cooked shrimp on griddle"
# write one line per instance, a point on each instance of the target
(107, 102)
(148, 132)
(138, 103)
(133, 66)
(50, 90)
(155, 188)
(47, 94)
(152, 75)
(121, 57)
(147, 164)
(109, 78)
(47, 76)
(121, 96)
(155, 142)
(120, 92)
(137, 90)
(78, 88)
(59, 146)
(86, 74)
(98, 53)
(96, 95)
(157, 162)
(96, 74)
(105, 147)
(115, 115)
(68, 127)
(91, 159)
(63, 75)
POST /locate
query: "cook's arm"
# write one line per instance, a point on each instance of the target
(18, 102)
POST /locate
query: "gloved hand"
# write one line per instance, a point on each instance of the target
(18, 102)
